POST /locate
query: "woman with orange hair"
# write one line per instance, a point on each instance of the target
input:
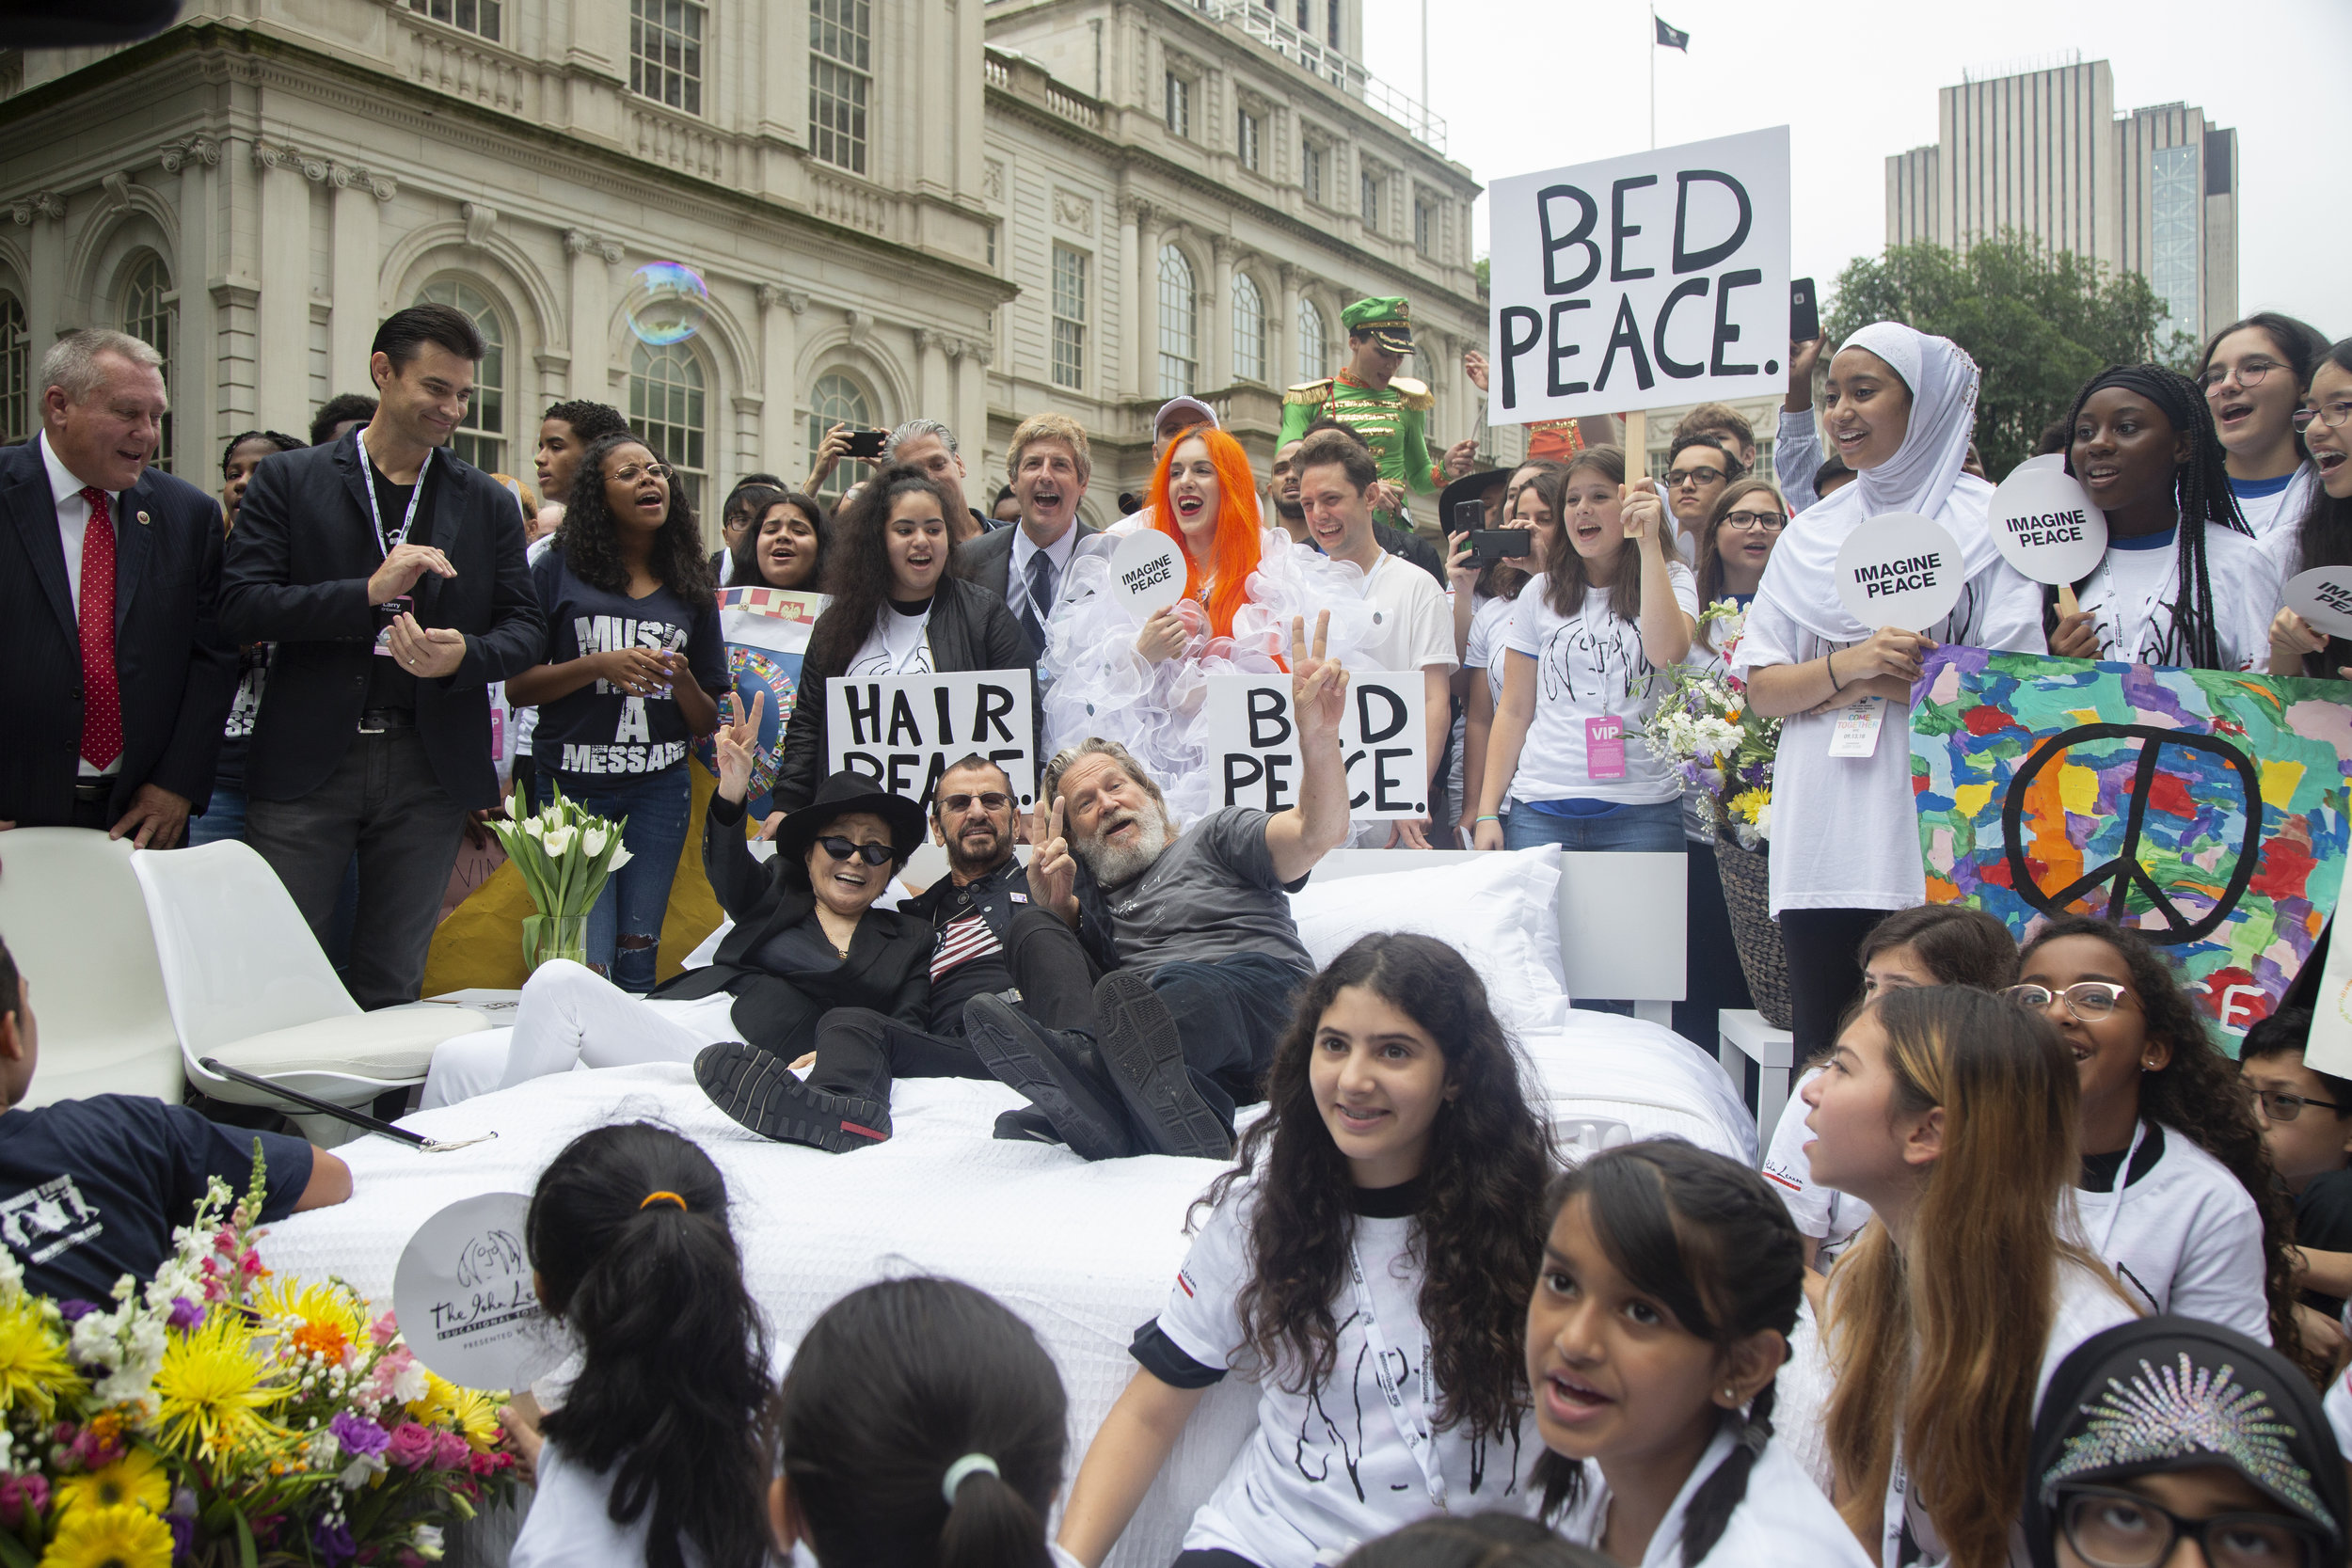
(1143, 686)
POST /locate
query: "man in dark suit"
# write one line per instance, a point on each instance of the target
(1026, 565)
(118, 679)
(390, 573)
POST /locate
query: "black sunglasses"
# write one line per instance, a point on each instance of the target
(841, 849)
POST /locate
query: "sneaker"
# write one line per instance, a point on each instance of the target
(757, 1089)
(1026, 1124)
(1146, 1057)
(1055, 1072)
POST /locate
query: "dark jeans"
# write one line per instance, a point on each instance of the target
(382, 803)
(224, 819)
(1713, 978)
(1823, 974)
(624, 922)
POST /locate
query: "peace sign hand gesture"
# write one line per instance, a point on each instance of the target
(738, 745)
(1318, 684)
(1052, 874)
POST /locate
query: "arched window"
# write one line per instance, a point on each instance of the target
(1315, 343)
(481, 436)
(151, 314)
(665, 408)
(1180, 324)
(16, 371)
(835, 400)
(1249, 330)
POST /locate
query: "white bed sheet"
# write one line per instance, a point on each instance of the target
(1084, 1253)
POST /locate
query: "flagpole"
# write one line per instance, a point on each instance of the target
(1653, 78)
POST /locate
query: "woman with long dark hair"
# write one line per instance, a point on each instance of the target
(2323, 535)
(2183, 581)
(784, 544)
(1494, 599)
(895, 611)
(2253, 373)
(657, 1453)
(1372, 1250)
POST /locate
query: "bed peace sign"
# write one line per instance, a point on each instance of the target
(1318, 684)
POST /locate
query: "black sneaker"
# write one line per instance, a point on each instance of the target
(1146, 1057)
(1052, 1071)
(1026, 1125)
(756, 1088)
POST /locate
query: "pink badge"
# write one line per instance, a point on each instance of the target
(1604, 748)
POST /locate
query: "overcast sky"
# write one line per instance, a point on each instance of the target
(1526, 85)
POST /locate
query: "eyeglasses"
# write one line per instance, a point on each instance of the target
(2332, 415)
(2113, 1528)
(2250, 373)
(629, 473)
(2088, 1000)
(841, 849)
(1770, 522)
(957, 805)
(2279, 1106)
(1677, 478)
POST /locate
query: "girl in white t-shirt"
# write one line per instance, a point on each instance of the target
(921, 1423)
(2253, 373)
(1671, 1281)
(1367, 1262)
(2321, 536)
(2183, 581)
(1494, 600)
(1611, 608)
(655, 1458)
(2176, 1194)
(1951, 1113)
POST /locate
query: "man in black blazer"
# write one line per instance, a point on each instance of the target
(118, 679)
(390, 573)
(1024, 565)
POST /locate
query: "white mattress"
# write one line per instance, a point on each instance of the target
(1085, 1252)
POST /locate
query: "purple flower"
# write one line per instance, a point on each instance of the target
(334, 1542)
(75, 1310)
(411, 1446)
(358, 1434)
(185, 1314)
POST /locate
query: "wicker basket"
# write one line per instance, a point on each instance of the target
(1747, 894)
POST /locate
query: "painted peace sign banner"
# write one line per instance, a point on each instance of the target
(2205, 809)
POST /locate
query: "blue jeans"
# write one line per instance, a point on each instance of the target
(624, 925)
(1656, 827)
(224, 819)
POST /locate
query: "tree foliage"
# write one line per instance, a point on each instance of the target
(2039, 323)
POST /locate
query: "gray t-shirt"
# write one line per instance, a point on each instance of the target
(1212, 895)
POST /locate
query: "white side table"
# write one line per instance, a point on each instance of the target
(1745, 1035)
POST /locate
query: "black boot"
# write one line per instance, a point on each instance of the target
(1057, 1073)
(756, 1088)
(1146, 1058)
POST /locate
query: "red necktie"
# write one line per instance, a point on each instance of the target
(102, 699)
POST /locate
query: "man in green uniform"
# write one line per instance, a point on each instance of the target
(1388, 411)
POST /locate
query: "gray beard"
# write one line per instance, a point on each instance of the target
(1111, 866)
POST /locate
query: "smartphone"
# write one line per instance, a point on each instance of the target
(1498, 544)
(1804, 312)
(1468, 517)
(867, 444)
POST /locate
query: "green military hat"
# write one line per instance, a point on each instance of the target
(1390, 321)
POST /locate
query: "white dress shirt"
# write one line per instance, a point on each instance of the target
(65, 491)
(1017, 578)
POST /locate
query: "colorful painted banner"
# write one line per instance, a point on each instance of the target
(767, 631)
(2205, 808)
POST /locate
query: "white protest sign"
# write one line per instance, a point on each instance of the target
(1253, 745)
(1149, 571)
(2034, 465)
(2044, 525)
(2322, 597)
(464, 1299)
(1900, 569)
(1660, 277)
(904, 730)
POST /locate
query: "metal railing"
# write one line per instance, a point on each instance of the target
(1311, 54)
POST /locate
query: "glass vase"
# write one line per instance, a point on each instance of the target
(554, 936)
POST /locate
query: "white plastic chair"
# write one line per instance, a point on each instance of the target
(72, 913)
(250, 986)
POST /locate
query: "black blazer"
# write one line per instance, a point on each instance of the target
(297, 574)
(888, 969)
(176, 673)
(970, 629)
(987, 559)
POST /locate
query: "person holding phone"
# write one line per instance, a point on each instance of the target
(1492, 597)
(842, 440)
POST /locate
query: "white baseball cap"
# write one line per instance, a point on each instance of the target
(1185, 406)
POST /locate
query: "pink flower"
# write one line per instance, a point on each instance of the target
(250, 1264)
(225, 1241)
(385, 1329)
(450, 1452)
(412, 1446)
(22, 1497)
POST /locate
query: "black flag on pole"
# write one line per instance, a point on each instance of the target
(1671, 37)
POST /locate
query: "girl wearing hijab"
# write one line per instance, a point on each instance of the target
(2168, 1428)
(1845, 834)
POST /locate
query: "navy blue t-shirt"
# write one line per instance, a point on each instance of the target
(91, 1189)
(599, 730)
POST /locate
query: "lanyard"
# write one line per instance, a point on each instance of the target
(1893, 1524)
(1413, 1424)
(2122, 1183)
(375, 509)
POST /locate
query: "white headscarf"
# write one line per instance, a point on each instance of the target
(1923, 476)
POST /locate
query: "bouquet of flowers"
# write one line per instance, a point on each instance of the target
(565, 854)
(1705, 727)
(223, 1415)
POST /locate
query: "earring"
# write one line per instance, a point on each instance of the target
(1731, 1395)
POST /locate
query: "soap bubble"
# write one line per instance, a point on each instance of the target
(666, 303)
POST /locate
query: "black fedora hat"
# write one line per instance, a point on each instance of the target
(1470, 487)
(843, 795)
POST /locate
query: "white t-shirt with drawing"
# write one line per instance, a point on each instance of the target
(1589, 666)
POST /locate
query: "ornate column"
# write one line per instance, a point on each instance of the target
(196, 419)
(356, 290)
(282, 331)
(1282, 353)
(1216, 355)
(44, 213)
(780, 309)
(1112, 294)
(930, 393)
(1147, 287)
(591, 338)
(968, 388)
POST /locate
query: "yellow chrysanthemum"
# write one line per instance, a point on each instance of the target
(476, 1418)
(213, 1389)
(137, 1479)
(34, 1369)
(1748, 805)
(439, 1408)
(118, 1537)
(313, 1318)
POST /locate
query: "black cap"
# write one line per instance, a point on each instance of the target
(841, 796)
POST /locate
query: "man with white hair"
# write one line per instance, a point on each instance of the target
(1189, 927)
(928, 445)
(119, 680)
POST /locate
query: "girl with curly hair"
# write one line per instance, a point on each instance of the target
(1670, 1286)
(635, 660)
(2176, 1193)
(1368, 1260)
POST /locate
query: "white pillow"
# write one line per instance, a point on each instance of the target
(1500, 910)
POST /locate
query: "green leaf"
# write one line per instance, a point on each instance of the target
(15, 1553)
(247, 1557)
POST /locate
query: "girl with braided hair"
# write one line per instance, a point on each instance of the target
(1671, 1281)
(2183, 582)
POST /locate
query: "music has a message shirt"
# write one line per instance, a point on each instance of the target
(599, 730)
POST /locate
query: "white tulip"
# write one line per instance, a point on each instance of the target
(593, 840)
(557, 842)
(620, 858)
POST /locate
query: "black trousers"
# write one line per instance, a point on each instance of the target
(1824, 976)
(1713, 980)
